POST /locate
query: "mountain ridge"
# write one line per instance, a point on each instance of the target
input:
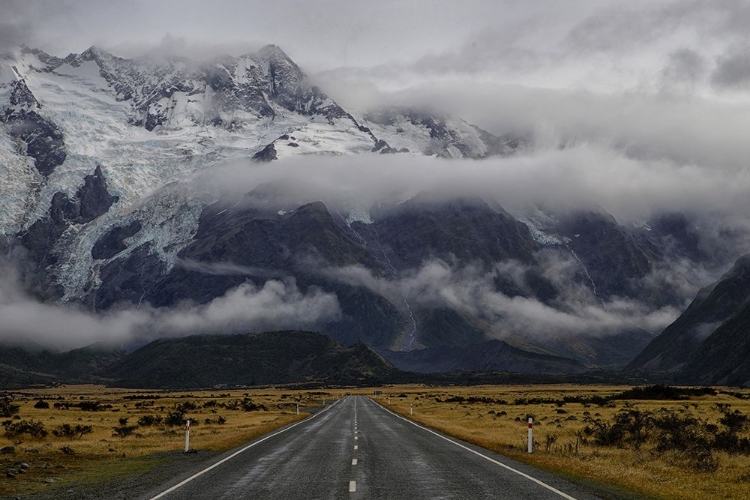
(102, 201)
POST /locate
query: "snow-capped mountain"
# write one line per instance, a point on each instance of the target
(97, 158)
(150, 125)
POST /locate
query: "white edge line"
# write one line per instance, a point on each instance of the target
(198, 474)
(508, 467)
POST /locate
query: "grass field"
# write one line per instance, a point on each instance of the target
(125, 432)
(495, 418)
(118, 428)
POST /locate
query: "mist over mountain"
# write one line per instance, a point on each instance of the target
(183, 187)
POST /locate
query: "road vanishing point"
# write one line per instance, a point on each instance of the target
(357, 449)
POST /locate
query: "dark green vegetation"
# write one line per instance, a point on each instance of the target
(200, 361)
(25, 365)
(250, 359)
(656, 392)
(692, 439)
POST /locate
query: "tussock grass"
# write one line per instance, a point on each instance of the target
(493, 417)
(99, 456)
(645, 473)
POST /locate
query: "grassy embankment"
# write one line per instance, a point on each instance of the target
(649, 465)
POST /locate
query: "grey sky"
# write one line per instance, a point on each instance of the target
(600, 45)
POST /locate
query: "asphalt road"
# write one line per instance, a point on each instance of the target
(357, 449)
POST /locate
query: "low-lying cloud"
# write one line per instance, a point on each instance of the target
(276, 305)
(470, 290)
(578, 177)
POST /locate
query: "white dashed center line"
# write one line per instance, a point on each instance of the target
(354, 461)
(352, 486)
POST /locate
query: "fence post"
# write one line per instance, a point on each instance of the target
(187, 436)
(531, 438)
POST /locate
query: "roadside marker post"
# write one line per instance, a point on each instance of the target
(187, 436)
(531, 439)
(411, 409)
(297, 408)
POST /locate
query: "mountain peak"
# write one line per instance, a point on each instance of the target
(273, 52)
(95, 53)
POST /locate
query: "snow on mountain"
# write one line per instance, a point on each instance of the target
(407, 130)
(153, 124)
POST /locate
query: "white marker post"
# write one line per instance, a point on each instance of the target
(411, 409)
(531, 439)
(187, 436)
(297, 408)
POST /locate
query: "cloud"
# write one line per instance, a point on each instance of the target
(577, 177)
(277, 305)
(685, 67)
(733, 70)
(470, 290)
(15, 24)
(178, 46)
(227, 269)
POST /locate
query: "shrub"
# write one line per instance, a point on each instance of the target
(123, 431)
(149, 420)
(248, 405)
(68, 431)
(175, 418)
(92, 406)
(604, 434)
(185, 407)
(549, 440)
(691, 438)
(8, 409)
(32, 427)
(41, 404)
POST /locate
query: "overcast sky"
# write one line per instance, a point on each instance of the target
(598, 44)
(542, 63)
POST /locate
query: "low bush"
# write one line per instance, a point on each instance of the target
(69, 431)
(34, 428)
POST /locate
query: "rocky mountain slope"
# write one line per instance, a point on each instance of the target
(708, 343)
(98, 161)
(491, 356)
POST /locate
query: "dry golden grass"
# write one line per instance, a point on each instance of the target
(99, 455)
(644, 473)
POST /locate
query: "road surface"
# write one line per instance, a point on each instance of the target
(357, 449)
